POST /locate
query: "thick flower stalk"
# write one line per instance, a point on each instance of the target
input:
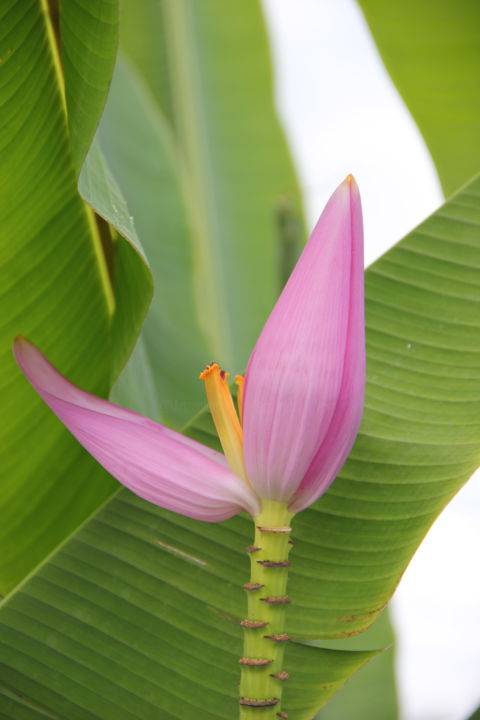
(299, 409)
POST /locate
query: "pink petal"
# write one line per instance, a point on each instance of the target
(157, 463)
(298, 374)
(348, 413)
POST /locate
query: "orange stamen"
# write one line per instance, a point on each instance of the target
(239, 382)
(224, 416)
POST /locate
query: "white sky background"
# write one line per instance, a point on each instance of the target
(342, 114)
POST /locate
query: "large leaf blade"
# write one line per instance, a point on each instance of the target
(57, 286)
(138, 145)
(130, 637)
(420, 437)
(55, 289)
(89, 39)
(218, 112)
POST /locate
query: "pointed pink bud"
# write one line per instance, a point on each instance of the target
(304, 385)
(159, 464)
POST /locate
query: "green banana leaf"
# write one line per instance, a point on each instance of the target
(208, 72)
(432, 52)
(475, 715)
(140, 150)
(60, 283)
(137, 613)
(371, 693)
(89, 39)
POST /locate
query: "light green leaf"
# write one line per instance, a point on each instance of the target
(212, 81)
(372, 693)
(138, 145)
(89, 38)
(137, 613)
(98, 186)
(432, 52)
(132, 277)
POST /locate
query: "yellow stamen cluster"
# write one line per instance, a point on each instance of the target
(239, 383)
(224, 415)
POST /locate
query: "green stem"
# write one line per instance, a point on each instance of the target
(266, 604)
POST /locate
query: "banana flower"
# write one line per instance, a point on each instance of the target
(300, 402)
